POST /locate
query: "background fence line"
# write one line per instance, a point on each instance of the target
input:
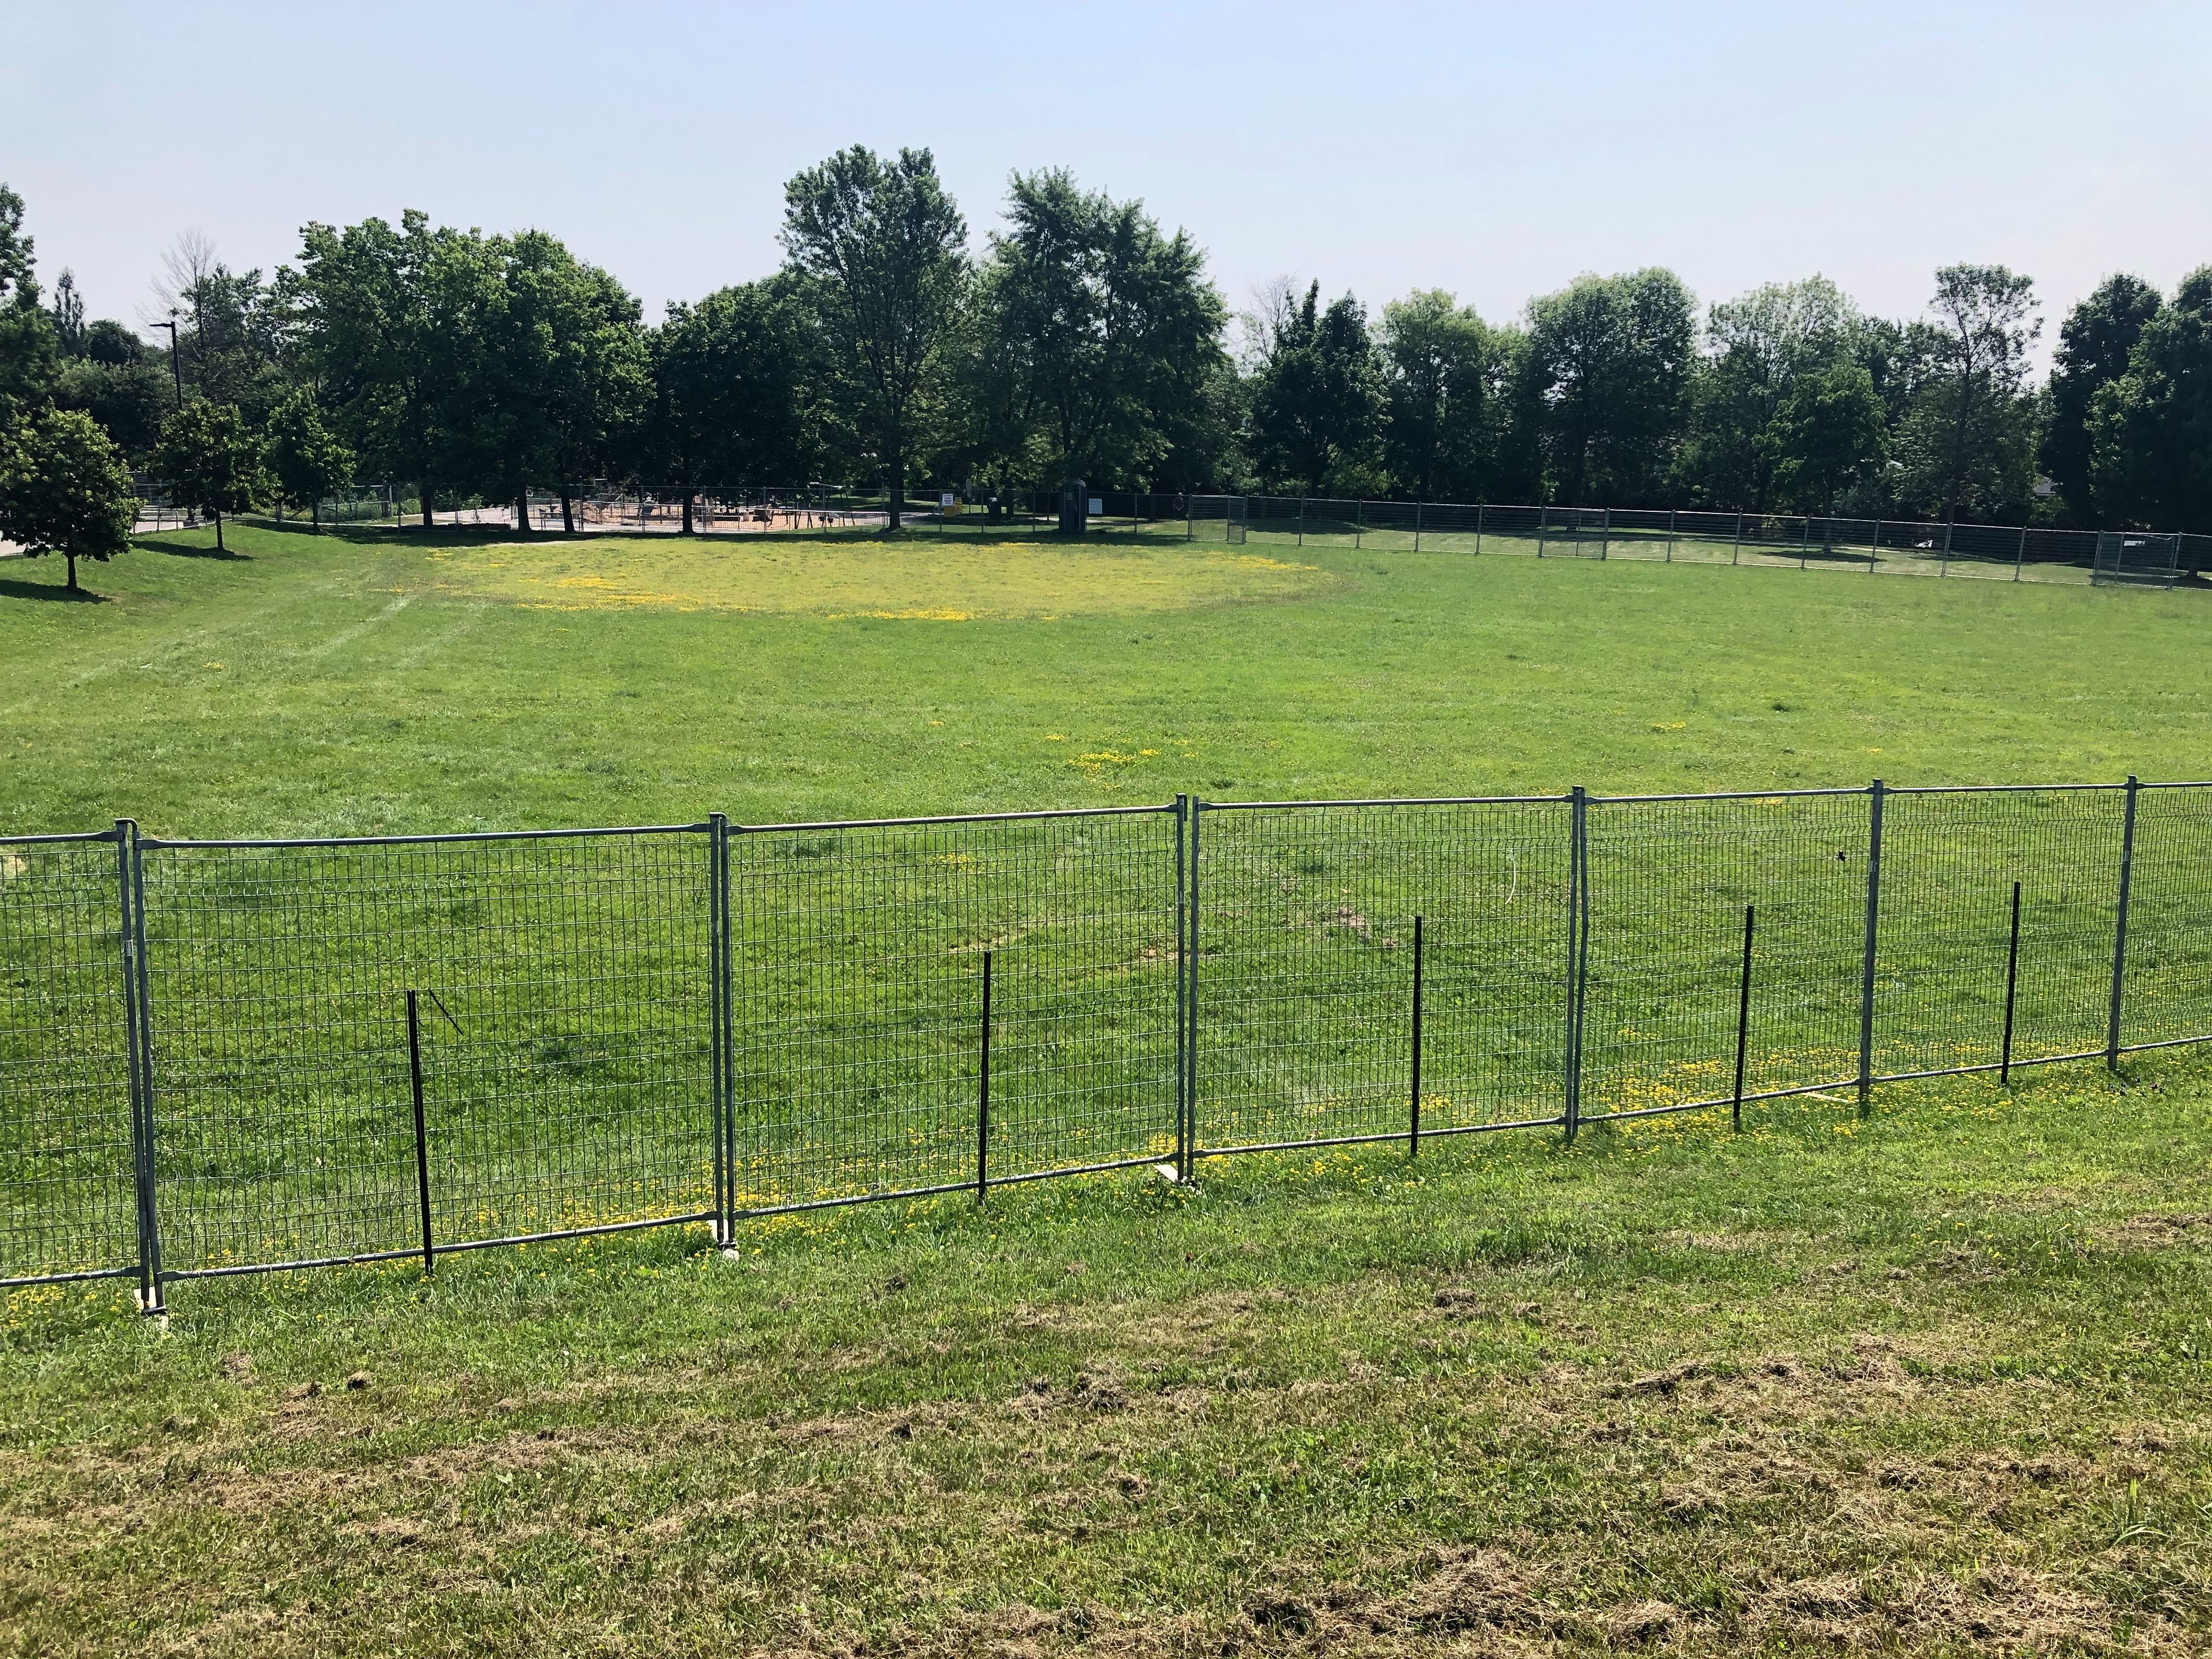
(224, 1057)
(1668, 535)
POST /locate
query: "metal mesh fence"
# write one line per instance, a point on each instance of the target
(861, 955)
(1669, 881)
(68, 1204)
(216, 1057)
(1305, 968)
(565, 1049)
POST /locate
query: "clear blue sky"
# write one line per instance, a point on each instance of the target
(1491, 150)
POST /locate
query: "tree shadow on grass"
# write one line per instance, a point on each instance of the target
(190, 549)
(14, 587)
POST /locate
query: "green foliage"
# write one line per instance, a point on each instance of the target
(28, 350)
(2095, 344)
(1607, 375)
(111, 345)
(1099, 337)
(63, 489)
(1826, 435)
(1316, 395)
(726, 377)
(232, 338)
(129, 400)
(1444, 398)
(1972, 431)
(1759, 348)
(211, 460)
(2151, 428)
(878, 253)
(307, 459)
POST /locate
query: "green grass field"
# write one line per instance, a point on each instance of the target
(1933, 1381)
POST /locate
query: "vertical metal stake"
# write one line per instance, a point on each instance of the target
(2120, 927)
(983, 1092)
(1413, 1116)
(1302, 521)
(1875, 794)
(1873, 549)
(141, 1151)
(1478, 527)
(2019, 554)
(1190, 980)
(1359, 524)
(1604, 537)
(1543, 524)
(2012, 982)
(1804, 539)
(1742, 1022)
(422, 1142)
(724, 1026)
(1670, 535)
(1417, 526)
(1182, 987)
(1944, 567)
(1736, 557)
(1577, 941)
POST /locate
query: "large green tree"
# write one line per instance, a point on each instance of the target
(1443, 371)
(232, 326)
(725, 406)
(1757, 348)
(64, 489)
(2095, 344)
(1609, 361)
(1316, 395)
(1827, 435)
(307, 460)
(1103, 332)
(1973, 422)
(878, 249)
(2151, 428)
(28, 351)
(211, 460)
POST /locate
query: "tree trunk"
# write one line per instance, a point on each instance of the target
(522, 514)
(218, 533)
(315, 512)
(427, 521)
(898, 487)
(567, 514)
(72, 558)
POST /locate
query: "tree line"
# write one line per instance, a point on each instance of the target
(1086, 341)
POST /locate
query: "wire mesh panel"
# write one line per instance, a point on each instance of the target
(68, 1204)
(858, 977)
(1305, 965)
(1949, 861)
(1668, 882)
(565, 1044)
(2167, 993)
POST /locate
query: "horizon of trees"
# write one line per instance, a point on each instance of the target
(1086, 341)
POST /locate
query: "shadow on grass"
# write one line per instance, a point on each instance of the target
(14, 587)
(161, 543)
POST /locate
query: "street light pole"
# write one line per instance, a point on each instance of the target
(176, 361)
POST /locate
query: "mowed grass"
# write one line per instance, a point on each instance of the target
(1931, 1382)
(363, 682)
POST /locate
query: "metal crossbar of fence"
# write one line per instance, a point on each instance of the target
(221, 1057)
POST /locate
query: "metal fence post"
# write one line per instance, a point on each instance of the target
(1478, 527)
(1190, 995)
(422, 1136)
(1182, 966)
(129, 893)
(1875, 796)
(2120, 926)
(2012, 984)
(1605, 536)
(1577, 942)
(983, 1092)
(1743, 1021)
(1302, 521)
(1873, 548)
(1804, 539)
(1670, 535)
(2019, 554)
(1735, 555)
(1417, 526)
(1414, 1102)
(1359, 524)
(1543, 524)
(720, 1023)
(1943, 568)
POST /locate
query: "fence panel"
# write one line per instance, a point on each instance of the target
(860, 952)
(2167, 993)
(1668, 882)
(66, 1162)
(1305, 967)
(576, 1092)
(1949, 861)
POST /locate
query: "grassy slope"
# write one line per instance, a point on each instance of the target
(1949, 1384)
(1937, 1381)
(360, 689)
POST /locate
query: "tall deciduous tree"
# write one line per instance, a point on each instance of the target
(1317, 395)
(2151, 428)
(211, 460)
(1758, 347)
(305, 457)
(1985, 321)
(1609, 360)
(1443, 378)
(724, 406)
(63, 489)
(1103, 332)
(28, 356)
(1827, 435)
(880, 250)
(2095, 344)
